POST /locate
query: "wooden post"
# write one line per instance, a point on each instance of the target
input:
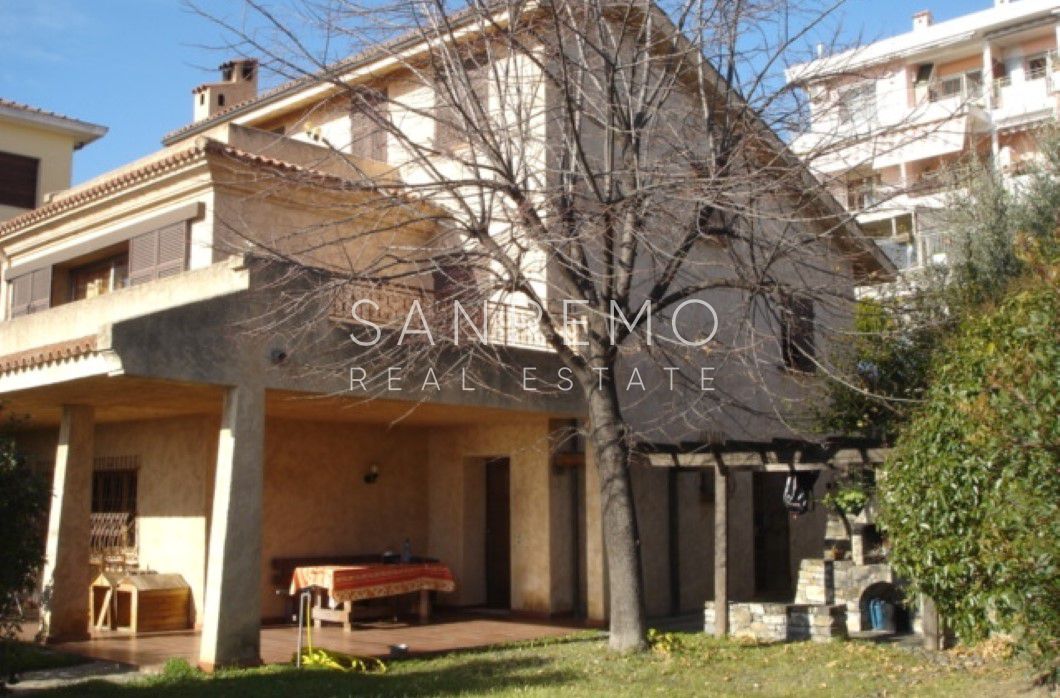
(425, 606)
(721, 551)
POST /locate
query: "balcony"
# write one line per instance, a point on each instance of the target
(91, 316)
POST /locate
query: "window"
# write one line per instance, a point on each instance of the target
(114, 491)
(857, 105)
(1035, 67)
(158, 254)
(451, 124)
(924, 73)
(797, 333)
(18, 180)
(31, 292)
(220, 100)
(863, 192)
(114, 488)
(710, 228)
(368, 138)
(100, 277)
(964, 85)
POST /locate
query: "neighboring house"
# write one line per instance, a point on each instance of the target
(891, 121)
(142, 383)
(36, 154)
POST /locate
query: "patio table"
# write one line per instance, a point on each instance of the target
(345, 584)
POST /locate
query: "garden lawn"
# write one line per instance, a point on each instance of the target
(582, 666)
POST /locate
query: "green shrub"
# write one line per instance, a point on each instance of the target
(23, 512)
(970, 498)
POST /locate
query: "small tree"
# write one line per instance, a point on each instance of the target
(971, 497)
(23, 508)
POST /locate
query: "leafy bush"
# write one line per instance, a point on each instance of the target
(23, 508)
(971, 495)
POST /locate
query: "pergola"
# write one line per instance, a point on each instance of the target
(775, 456)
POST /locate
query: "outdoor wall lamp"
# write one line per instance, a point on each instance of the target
(372, 475)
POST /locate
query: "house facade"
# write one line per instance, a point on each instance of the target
(156, 393)
(36, 154)
(892, 121)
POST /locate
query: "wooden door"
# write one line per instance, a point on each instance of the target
(498, 534)
(772, 538)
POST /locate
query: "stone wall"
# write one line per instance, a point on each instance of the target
(779, 622)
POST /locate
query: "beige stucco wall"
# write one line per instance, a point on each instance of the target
(456, 508)
(54, 150)
(317, 503)
(176, 461)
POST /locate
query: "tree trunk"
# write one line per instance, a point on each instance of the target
(621, 538)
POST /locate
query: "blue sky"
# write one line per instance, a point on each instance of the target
(130, 64)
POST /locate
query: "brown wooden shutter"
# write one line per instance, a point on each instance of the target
(158, 254)
(21, 292)
(143, 258)
(172, 250)
(40, 290)
(367, 138)
(31, 292)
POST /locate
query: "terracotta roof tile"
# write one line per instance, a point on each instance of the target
(154, 168)
(48, 354)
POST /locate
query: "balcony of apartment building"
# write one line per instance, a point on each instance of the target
(1025, 82)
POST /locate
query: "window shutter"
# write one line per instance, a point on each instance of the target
(20, 294)
(32, 292)
(143, 257)
(367, 138)
(172, 250)
(40, 290)
(158, 254)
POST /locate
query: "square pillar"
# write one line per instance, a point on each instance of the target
(231, 633)
(67, 575)
(721, 551)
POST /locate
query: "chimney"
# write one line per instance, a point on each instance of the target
(239, 82)
(922, 20)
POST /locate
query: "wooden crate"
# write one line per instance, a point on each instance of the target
(141, 603)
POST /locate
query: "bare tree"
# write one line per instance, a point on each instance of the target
(598, 178)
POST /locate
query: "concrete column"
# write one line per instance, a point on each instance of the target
(596, 607)
(231, 633)
(721, 552)
(988, 93)
(67, 574)
(531, 521)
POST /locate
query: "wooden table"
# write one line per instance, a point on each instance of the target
(346, 584)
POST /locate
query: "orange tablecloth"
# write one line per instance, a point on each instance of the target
(357, 582)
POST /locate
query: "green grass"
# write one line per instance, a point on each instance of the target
(24, 656)
(582, 666)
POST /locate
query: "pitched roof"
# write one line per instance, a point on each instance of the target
(16, 111)
(156, 166)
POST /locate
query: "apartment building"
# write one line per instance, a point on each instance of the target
(220, 451)
(36, 154)
(891, 122)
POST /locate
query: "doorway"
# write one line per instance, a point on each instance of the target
(772, 539)
(498, 534)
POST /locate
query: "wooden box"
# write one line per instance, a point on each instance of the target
(141, 603)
